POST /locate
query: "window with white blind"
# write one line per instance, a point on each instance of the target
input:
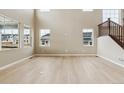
(113, 14)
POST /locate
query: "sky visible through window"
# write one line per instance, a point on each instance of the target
(44, 32)
(10, 31)
(26, 31)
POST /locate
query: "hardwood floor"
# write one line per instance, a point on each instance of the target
(63, 70)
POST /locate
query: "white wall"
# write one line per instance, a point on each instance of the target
(24, 16)
(66, 30)
(109, 49)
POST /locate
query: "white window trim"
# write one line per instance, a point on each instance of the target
(30, 38)
(120, 16)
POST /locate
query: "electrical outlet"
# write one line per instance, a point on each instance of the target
(121, 59)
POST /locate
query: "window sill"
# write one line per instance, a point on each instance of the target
(88, 45)
(11, 49)
(7, 49)
(44, 46)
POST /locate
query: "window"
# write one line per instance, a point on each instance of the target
(45, 37)
(10, 33)
(88, 37)
(27, 36)
(113, 14)
(87, 10)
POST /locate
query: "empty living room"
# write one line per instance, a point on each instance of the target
(61, 46)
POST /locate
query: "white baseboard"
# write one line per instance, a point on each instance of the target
(38, 55)
(111, 61)
(14, 63)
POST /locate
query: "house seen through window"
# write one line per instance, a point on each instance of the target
(9, 33)
(87, 37)
(45, 37)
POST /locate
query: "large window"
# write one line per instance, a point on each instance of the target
(27, 36)
(45, 37)
(113, 14)
(9, 33)
(87, 37)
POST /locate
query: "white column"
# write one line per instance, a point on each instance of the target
(21, 32)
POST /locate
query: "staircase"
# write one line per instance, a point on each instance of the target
(112, 29)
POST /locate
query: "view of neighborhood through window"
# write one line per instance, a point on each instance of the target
(9, 33)
(27, 36)
(87, 37)
(113, 14)
(45, 37)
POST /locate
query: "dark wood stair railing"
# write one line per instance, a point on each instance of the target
(112, 29)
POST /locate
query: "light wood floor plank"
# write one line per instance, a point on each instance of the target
(63, 70)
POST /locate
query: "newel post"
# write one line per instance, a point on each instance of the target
(109, 25)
